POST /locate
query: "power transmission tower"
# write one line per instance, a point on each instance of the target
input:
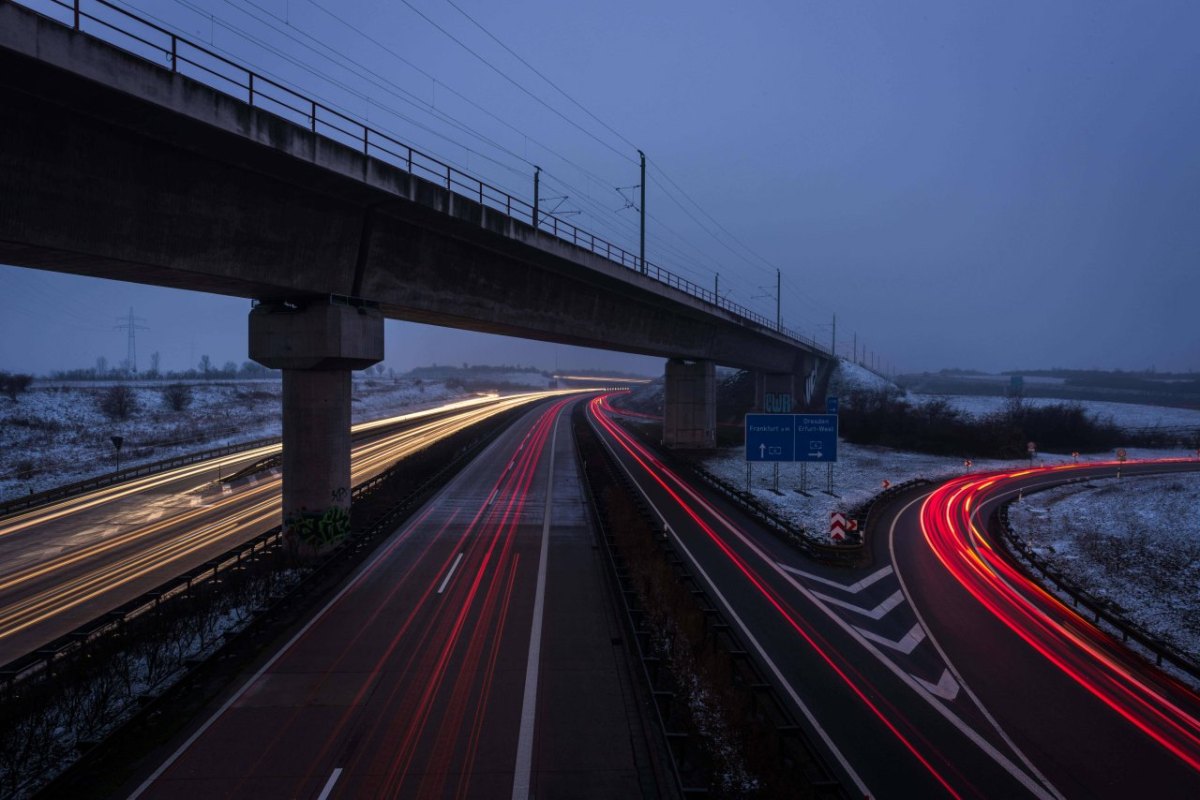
(131, 324)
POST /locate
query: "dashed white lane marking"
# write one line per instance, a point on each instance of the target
(450, 574)
(329, 784)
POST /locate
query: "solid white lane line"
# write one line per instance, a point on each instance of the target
(524, 767)
(1029, 783)
(333, 779)
(492, 499)
(458, 560)
(747, 633)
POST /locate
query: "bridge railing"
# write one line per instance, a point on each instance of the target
(163, 47)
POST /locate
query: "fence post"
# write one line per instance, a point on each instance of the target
(76, 14)
(313, 118)
(366, 131)
(174, 53)
(251, 74)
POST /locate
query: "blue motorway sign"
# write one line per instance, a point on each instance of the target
(816, 437)
(770, 437)
(791, 437)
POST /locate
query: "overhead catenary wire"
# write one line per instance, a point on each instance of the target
(694, 262)
(333, 81)
(541, 75)
(374, 78)
(513, 81)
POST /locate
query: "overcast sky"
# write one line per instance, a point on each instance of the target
(993, 186)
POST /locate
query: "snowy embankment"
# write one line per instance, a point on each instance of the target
(1135, 541)
(55, 435)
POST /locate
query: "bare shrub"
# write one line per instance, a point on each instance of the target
(177, 396)
(118, 402)
(14, 384)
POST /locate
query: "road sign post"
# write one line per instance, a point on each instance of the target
(117, 441)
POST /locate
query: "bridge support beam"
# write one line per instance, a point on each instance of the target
(690, 405)
(316, 345)
(789, 392)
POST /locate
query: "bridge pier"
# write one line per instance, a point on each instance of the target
(788, 392)
(690, 405)
(316, 344)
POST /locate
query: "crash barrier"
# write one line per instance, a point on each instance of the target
(686, 618)
(95, 678)
(1098, 607)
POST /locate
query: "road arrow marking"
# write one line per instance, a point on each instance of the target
(906, 645)
(853, 588)
(875, 613)
(762, 451)
(947, 687)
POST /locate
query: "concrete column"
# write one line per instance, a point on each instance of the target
(690, 405)
(316, 345)
(316, 440)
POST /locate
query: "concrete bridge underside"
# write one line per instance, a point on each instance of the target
(114, 167)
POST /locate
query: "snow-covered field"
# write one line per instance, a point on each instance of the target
(54, 435)
(1127, 416)
(1135, 541)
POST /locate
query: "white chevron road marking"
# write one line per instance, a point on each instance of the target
(905, 645)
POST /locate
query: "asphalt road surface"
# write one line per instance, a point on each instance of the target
(476, 655)
(913, 685)
(67, 563)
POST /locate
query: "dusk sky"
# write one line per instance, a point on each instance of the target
(990, 186)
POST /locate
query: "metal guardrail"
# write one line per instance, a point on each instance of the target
(744, 669)
(100, 481)
(1099, 608)
(199, 63)
(269, 540)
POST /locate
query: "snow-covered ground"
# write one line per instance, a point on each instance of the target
(1127, 416)
(851, 377)
(54, 435)
(858, 476)
(1135, 541)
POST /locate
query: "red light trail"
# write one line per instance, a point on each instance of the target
(676, 487)
(1151, 701)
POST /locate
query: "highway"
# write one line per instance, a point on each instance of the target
(910, 684)
(1095, 719)
(472, 656)
(64, 564)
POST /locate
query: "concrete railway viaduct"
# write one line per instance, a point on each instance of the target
(116, 166)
